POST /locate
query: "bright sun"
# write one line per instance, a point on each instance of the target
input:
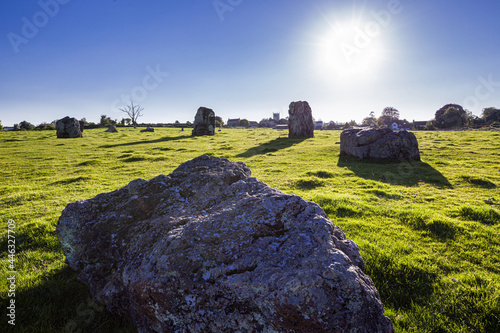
(351, 50)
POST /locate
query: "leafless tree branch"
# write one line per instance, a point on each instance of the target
(133, 111)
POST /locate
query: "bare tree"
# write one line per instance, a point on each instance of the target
(133, 111)
(391, 113)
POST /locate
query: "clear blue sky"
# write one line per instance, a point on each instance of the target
(246, 58)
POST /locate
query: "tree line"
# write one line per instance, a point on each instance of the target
(448, 117)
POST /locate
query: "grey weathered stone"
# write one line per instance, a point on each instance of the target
(204, 122)
(210, 249)
(379, 144)
(300, 121)
(111, 129)
(69, 128)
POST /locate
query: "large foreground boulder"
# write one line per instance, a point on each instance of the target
(300, 121)
(210, 249)
(204, 122)
(379, 144)
(69, 128)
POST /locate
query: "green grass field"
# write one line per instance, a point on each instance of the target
(429, 231)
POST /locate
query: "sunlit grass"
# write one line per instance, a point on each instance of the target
(428, 231)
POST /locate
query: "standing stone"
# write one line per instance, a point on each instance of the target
(209, 248)
(204, 122)
(379, 144)
(112, 129)
(68, 128)
(300, 121)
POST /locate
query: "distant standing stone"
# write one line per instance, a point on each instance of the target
(300, 122)
(112, 129)
(379, 144)
(69, 128)
(204, 122)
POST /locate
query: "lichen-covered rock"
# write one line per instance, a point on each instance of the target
(204, 122)
(69, 128)
(379, 144)
(210, 249)
(300, 121)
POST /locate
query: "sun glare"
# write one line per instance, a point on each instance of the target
(351, 50)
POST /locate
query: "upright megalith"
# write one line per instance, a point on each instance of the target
(204, 122)
(300, 121)
(69, 128)
(379, 144)
(209, 248)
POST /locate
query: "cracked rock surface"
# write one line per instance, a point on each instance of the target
(379, 144)
(210, 249)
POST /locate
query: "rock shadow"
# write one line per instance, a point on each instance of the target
(160, 140)
(271, 146)
(400, 285)
(64, 304)
(395, 173)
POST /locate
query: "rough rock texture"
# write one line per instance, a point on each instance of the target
(111, 129)
(69, 128)
(210, 249)
(300, 121)
(379, 144)
(204, 122)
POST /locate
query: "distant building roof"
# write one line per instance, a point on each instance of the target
(419, 123)
(233, 122)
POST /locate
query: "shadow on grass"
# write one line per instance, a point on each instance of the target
(60, 303)
(487, 216)
(309, 184)
(400, 285)
(395, 173)
(441, 230)
(34, 237)
(475, 181)
(160, 140)
(271, 146)
(71, 181)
